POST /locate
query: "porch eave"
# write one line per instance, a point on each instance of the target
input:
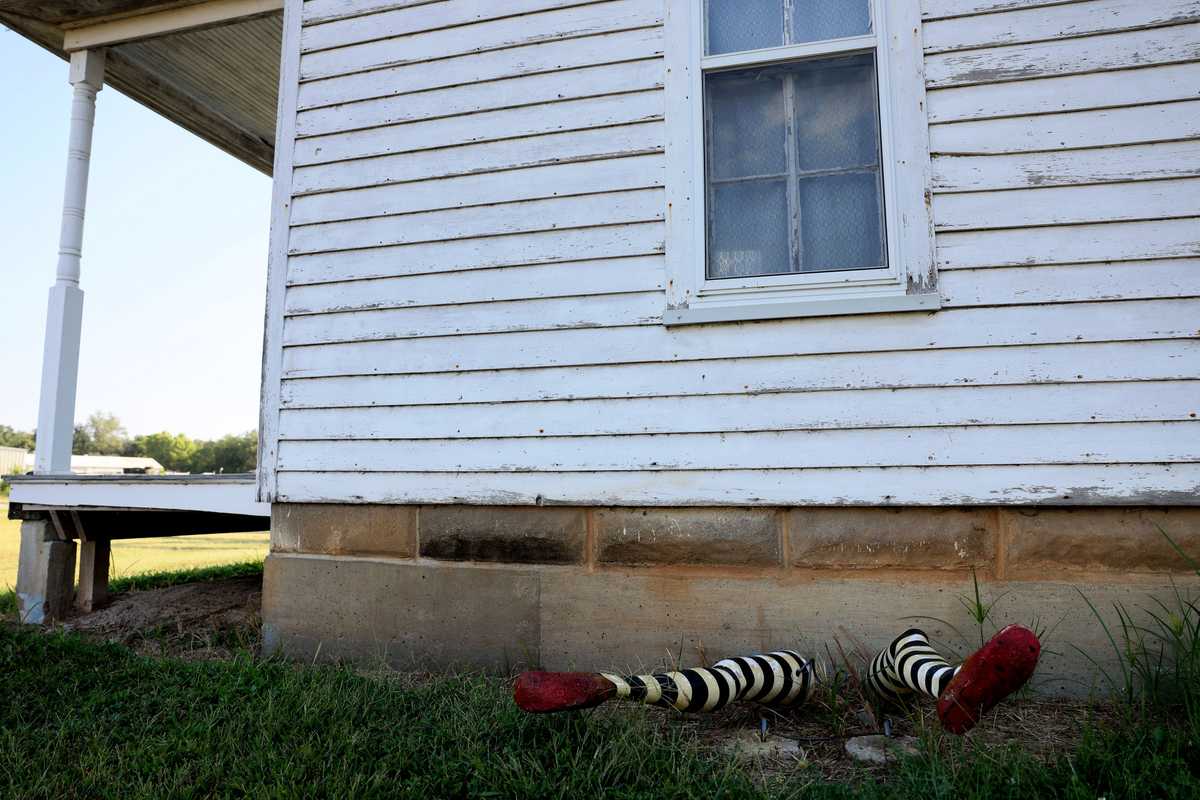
(191, 86)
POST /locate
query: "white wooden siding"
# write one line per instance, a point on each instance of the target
(513, 62)
(1073, 484)
(1162, 122)
(1139, 360)
(1040, 404)
(1122, 88)
(990, 327)
(476, 277)
(450, 40)
(491, 126)
(488, 157)
(609, 79)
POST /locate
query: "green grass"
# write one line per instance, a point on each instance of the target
(163, 578)
(84, 719)
(158, 580)
(1158, 650)
(80, 719)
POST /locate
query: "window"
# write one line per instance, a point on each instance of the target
(798, 160)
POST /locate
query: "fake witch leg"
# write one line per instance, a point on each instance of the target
(907, 666)
(783, 678)
(910, 665)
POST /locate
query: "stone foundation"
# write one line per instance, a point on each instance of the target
(622, 589)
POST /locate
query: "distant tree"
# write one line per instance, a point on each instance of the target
(174, 451)
(107, 434)
(10, 437)
(81, 443)
(232, 453)
(101, 435)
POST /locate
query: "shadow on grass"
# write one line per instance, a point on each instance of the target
(156, 580)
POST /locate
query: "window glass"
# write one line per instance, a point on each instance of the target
(748, 124)
(840, 222)
(837, 124)
(739, 25)
(735, 25)
(749, 229)
(814, 20)
(793, 168)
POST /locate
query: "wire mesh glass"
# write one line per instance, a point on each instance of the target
(793, 168)
(751, 226)
(814, 20)
(734, 26)
(737, 25)
(840, 223)
(748, 131)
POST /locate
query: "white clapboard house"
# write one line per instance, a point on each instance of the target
(598, 326)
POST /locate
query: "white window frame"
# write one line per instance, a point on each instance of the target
(908, 283)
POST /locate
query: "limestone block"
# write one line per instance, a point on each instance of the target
(904, 538)
(503, 534)
(344, 529)
(709, 536)
(1120, 539)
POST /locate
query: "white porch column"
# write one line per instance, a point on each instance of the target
(46, 569)
(64, 319)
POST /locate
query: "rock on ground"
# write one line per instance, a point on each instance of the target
(878, 749)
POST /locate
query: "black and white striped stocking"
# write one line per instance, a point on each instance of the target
(909, 664)
(783, 678)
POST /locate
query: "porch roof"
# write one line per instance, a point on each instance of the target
(219, 81)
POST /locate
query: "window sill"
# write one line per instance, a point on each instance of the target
(703, 314)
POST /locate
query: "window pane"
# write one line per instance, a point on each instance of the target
(813, 20)
(808, 133)
(836, 113)
(841, 222)
(747, 124)
(735, 25)
(749, 229)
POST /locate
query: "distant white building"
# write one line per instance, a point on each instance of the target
(12, 458)
(108, 465)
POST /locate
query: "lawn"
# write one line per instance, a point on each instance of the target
(84, 719)
(199, 712)
(135, 556)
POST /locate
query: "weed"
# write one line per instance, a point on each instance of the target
(5, 486)
(979, 611)
(1157, 653)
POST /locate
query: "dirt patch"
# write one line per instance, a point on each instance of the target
(213, 619)
(1043, 727)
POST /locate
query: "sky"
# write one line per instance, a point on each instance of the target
(174, 260)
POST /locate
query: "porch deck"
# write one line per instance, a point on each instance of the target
(210, 494)
(59, 511)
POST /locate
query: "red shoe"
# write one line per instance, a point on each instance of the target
(995, 671)
(543, 692)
